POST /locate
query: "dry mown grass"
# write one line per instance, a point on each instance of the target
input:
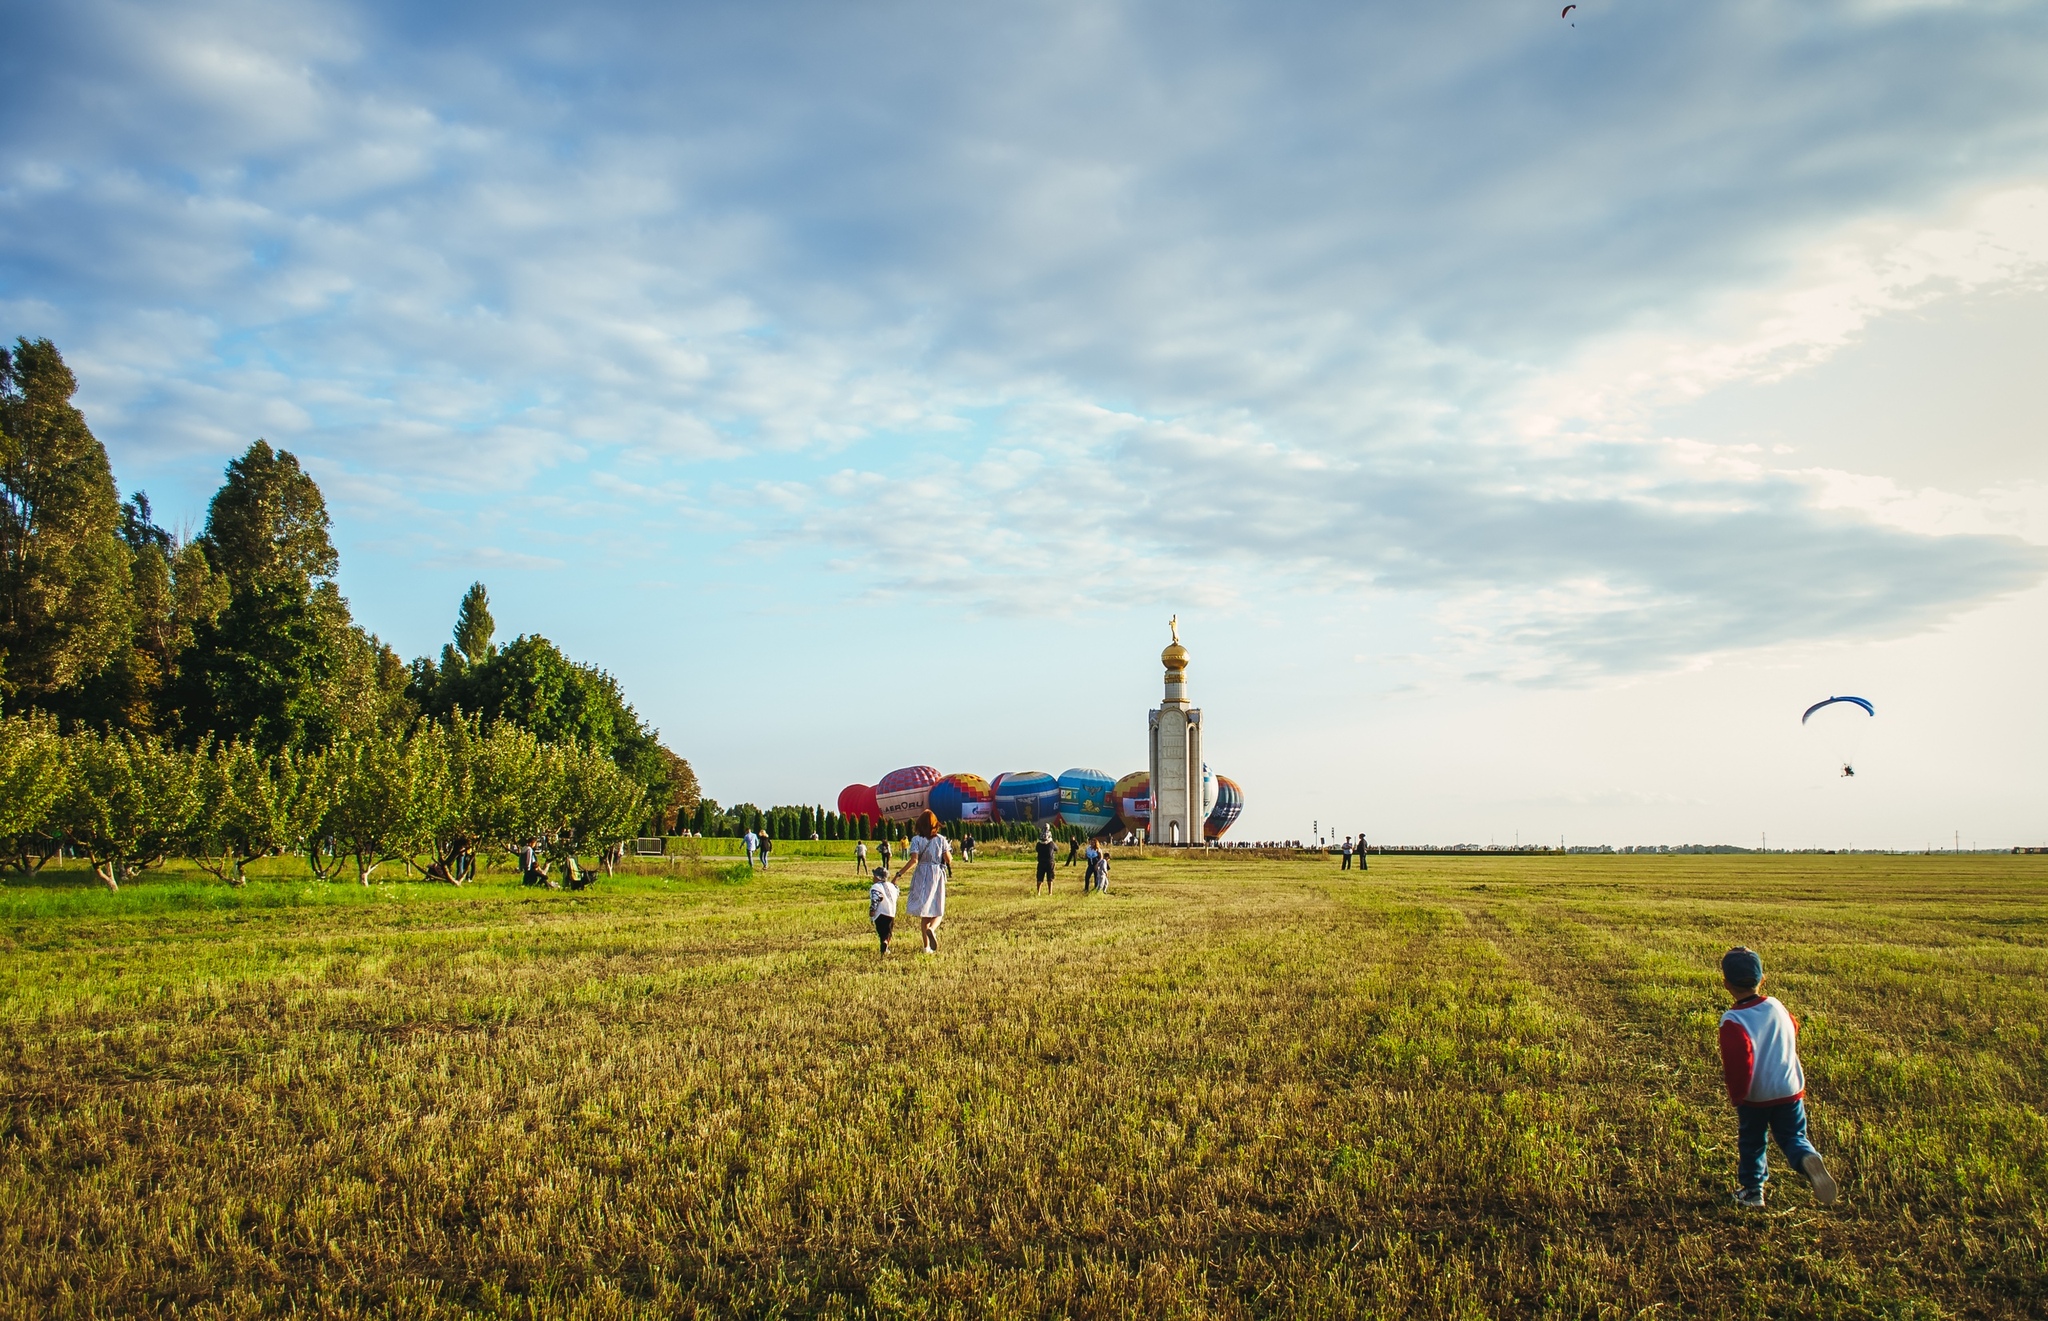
(1452, 1087)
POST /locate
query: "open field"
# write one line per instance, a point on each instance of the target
(1450, 1087)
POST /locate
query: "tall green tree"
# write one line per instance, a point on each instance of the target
(261, 673)
(281, 665)
(474, 625)
(268, 524)
(63, 570)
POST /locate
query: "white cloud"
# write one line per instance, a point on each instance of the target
(1085, 298)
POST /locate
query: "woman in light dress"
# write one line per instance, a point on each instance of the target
(933, 858)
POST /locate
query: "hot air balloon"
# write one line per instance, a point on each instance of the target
(859, 800)
(963, 797)
(902, 794)
(1086, 800)
(1229, 802)
(1027, 796)
(1133, 798)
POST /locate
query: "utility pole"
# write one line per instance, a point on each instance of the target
(1959, 841)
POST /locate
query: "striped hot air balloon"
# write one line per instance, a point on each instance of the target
(963, 797)
(1229, 802)
(1027, 796)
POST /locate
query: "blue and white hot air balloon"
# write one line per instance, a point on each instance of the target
(1087, 799)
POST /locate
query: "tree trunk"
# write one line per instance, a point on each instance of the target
(109, 872)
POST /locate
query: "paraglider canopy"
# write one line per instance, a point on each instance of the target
(1868, 709)
(1835, 730)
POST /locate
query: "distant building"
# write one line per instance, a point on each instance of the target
(1174, 733)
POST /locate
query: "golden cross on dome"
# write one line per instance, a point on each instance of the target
(1173, 627)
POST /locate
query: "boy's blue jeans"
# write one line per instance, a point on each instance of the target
(1786, 1122)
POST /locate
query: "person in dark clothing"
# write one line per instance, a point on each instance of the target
(1361, 850)
(766, 844)
(1073, 849)
(1044, 861)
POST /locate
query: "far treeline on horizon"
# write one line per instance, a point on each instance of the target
(132, 660)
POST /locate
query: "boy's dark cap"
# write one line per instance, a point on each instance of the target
(1742, 966)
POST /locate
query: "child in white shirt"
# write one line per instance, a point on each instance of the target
(882, 906)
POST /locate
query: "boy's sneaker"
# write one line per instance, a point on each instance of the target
(1824, 1189)
(1753, 1198)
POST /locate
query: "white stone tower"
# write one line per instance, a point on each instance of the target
(1175, 736)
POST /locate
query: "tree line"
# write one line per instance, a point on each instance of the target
(430, 796)
(127, 642)
(802, 822)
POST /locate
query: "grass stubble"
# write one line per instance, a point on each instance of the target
(1448, 1087)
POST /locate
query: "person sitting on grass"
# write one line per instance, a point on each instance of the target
(1760, 1065)
(533, 870)
(882, 906)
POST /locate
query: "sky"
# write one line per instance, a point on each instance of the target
(1526, 417)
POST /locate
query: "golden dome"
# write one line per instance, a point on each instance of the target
(1175, 657)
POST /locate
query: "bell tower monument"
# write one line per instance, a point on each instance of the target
(1175, 736)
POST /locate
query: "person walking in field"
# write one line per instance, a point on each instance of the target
(933, 858)
(1073, 848)
(1088, 877)
(885, 851)
(882, 907)
(766, 844)
(1045, 848)
(752, 842)
(1760, 1066)
(860, 857)
(1347, 854)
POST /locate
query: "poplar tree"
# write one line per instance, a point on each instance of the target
(63, 569)
(473, 624)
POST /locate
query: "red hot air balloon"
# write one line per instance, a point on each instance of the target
(859, 800)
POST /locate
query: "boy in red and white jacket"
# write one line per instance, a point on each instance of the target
(1760, 1064)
